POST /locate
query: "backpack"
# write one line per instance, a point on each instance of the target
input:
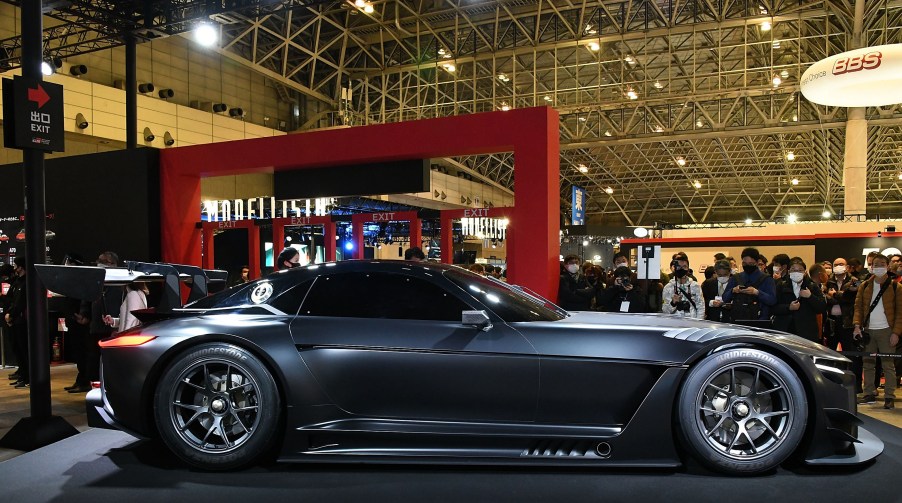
(745, 306)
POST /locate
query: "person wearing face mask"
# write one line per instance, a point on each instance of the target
(682, 296)
(713, 290)
(622, 296)
(842, 287)
(780, 266)
(878, 310)
(574, 293)
(799, 301)
(16, 318)
(751, 292)
(289, 258)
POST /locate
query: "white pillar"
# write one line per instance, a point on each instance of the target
(855, 163)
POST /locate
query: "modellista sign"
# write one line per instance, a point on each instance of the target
(264, 207)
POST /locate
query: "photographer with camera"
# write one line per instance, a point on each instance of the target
(623, 296)
(878, 323)
(682, 296)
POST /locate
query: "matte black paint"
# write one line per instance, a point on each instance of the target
(530, 392)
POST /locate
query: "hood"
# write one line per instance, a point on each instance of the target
(699, 330)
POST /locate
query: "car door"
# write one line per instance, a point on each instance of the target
(392, 346)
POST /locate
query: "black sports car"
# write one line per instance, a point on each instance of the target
(407, 361)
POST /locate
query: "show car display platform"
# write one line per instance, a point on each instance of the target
(106, 465)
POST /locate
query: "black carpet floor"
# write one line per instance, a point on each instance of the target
(105, 465)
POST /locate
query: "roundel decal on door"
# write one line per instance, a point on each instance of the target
(261, 293)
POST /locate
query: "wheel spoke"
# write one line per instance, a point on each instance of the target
(242, 409)
(716, 426)
(754, 389)
(735, 438)
(767, 415)
(713, 411)
(207, 435)
(751, 442)
(245, 385)
(769, 429)
(196, 408)
(239, 421)
(189, 383)
(208, 386)
(769, 391)
(733, 387)
(193, 418)
(222, 433)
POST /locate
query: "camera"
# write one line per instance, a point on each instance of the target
(625, 281)
(683, 305)
(675, 263)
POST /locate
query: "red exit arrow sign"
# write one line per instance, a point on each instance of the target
(38, 96)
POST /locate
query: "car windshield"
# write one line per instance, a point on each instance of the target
(512, 304)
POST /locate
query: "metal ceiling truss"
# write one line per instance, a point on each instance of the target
(639, 84)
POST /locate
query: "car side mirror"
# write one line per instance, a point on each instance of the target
(476, 319)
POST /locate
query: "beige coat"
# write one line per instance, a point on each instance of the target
(892, 304)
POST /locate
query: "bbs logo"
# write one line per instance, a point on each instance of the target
(868, 61)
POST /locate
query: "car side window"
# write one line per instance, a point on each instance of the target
(290, 300)
(380, 295)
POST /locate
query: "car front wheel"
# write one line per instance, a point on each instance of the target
(742, 411)
(217, 407)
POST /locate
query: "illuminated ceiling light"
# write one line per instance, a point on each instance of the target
(658, 84)
(777, 81)
(360, 3)
(765, 25)
(450, 68)
(794, 181)
(629, 59)
(640, 232)
(585, 242)
(608, 133)
(700, 123)
(505, 107)
(583, 119)
(776, 44)
(590, 30)
(441, 51)
(368, 8)
(659, 129)
(697, 184)
(748, 221)
(632, 94)
(900, 176)
(680, 161)
(547, 98)
(790, 156)
(795, 117)
(583, 168)
(206, 34)
(784, 73)
(826, 214)
(792, 218)
(503, 78)
(593, 46)
(46, 69)
(608, 190)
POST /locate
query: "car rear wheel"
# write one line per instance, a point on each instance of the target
(742, 411)
(217, 407)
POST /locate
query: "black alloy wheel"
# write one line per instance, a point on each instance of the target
(742, 411)
(217, 407)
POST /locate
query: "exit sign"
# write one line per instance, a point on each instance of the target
(34, 110)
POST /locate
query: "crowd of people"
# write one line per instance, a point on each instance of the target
(841, 304)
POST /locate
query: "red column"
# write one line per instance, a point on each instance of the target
(329, 238)
(535, 223)
(278, 238)
(447, 238)
(416, 233)
(253, 250)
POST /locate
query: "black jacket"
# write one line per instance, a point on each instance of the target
(802, 322)
(709, 291)
(844, 296)
(18, 302)
(575, 293)
(611, 299)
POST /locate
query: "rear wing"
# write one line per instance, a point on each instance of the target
(87, 283)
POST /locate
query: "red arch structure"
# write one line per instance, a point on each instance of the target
(530, 133)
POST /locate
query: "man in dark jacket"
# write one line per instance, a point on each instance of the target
(575, 292)
(751, 292)
(799, 301)
(842, 288)
(713, 290)
(91, 314)
(623, 296)
(16, 318)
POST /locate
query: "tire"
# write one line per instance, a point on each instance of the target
(217, 407)
(742, 411)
